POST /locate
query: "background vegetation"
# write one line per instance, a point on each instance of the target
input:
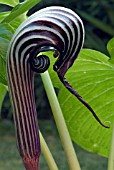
(98, 19)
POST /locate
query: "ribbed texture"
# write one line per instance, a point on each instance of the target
(55, 27)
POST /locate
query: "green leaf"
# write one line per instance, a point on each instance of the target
(6, 33)
(9, 2)
(3, 90)
(3, 71)
(20, 9)
(17, 21)
(3, 15)
(110, 47)
(92, 76)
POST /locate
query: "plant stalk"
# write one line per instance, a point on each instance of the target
(111, 155)
(60, 122)
(47, 154)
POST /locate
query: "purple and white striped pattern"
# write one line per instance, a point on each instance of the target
(56, 27)
(52, 28)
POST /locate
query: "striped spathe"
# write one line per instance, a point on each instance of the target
(53, 28)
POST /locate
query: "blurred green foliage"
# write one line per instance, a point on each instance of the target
(9, 156)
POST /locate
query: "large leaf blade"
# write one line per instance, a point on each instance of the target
(92, 75)
(93, 79)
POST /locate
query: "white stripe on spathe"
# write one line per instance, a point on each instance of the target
(62, 29)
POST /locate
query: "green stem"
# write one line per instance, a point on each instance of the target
(47, 154)
(61, 125)
(111, 156)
